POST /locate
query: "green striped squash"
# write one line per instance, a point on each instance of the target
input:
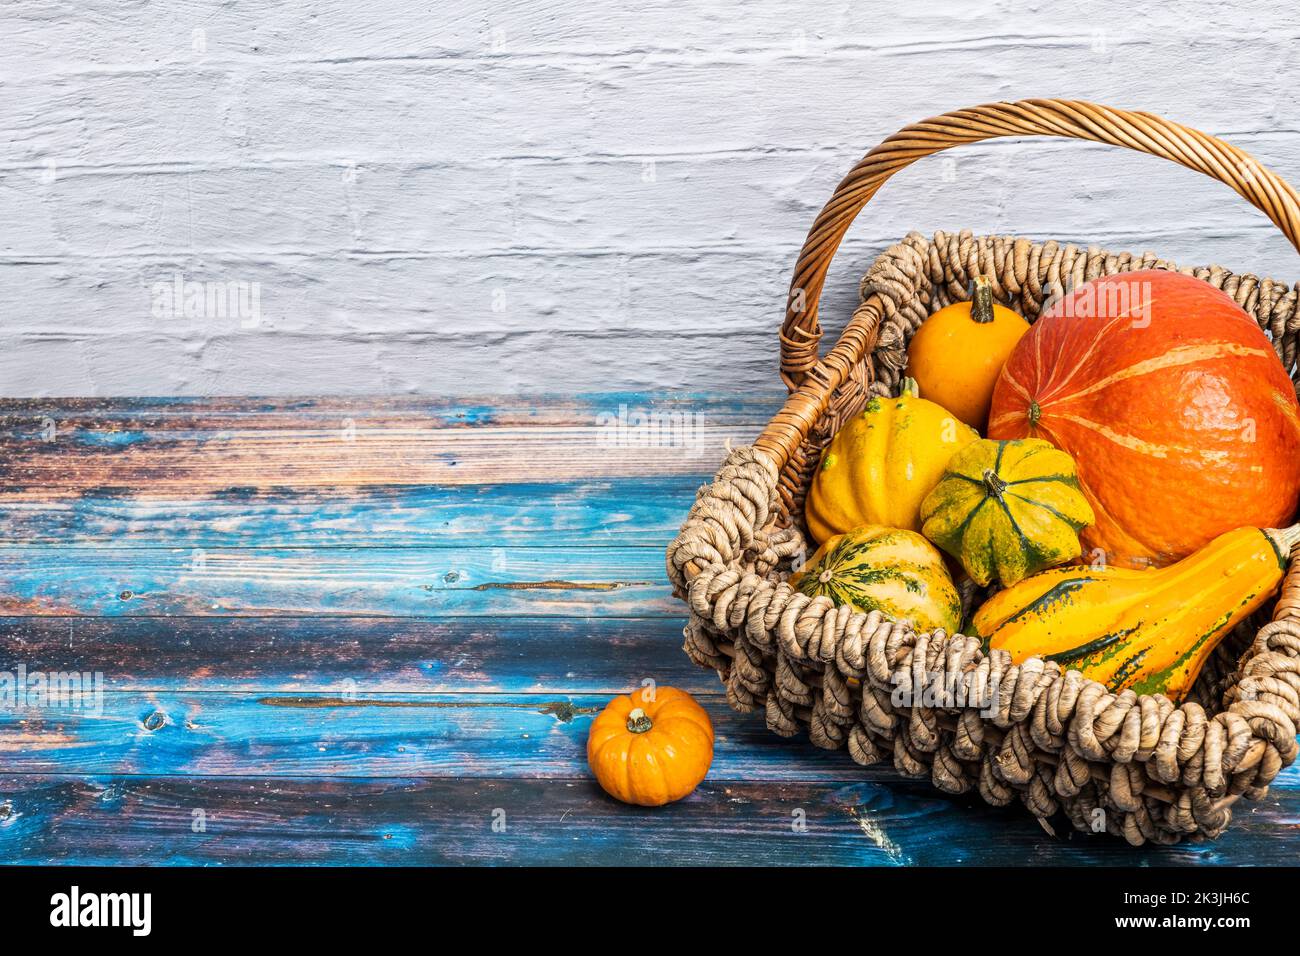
(890, 570)
(1007, 509)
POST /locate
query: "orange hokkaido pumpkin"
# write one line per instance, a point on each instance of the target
(1174, 406)
(651, 747)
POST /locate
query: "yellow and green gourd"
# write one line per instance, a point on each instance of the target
(890, 570)
(881, 463)
(1149, 630)
(1007, 509)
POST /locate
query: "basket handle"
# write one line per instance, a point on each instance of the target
(1072, 119)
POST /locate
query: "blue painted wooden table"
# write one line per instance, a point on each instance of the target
(374, 632)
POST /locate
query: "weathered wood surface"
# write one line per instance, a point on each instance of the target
(353, 733)
(627, 511)
(490, 655)
(357, 656)
(200, 449)
(873, 820)
(405, 582)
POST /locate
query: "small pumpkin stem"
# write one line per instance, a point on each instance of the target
(638, 722)
(909, 389)
(995, 484)
(981, 303)
(1035, 412)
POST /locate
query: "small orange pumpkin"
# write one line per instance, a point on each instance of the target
(651, 747)
(957, 353)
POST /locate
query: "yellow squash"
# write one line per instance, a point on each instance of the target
(1147, 630)
(882, 463)
(890, 570)
(1006, 509)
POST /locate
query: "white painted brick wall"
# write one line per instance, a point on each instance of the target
(558, 195)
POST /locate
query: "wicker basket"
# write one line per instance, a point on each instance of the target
(1137, 766)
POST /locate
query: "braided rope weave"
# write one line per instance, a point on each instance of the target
(1137, 766)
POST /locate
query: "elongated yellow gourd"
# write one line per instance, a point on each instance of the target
(1146, 630)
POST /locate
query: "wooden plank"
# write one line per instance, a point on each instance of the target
(624, 511)
(99, 420)
(403, 822)
(57, 449)
(617, 582)
(366, 735)
(540, 655)
(302, 458)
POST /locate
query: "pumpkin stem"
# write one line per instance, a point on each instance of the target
(909, 389)
(1035, 412)
(981, 303)
(995, 484)
(638, 722)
